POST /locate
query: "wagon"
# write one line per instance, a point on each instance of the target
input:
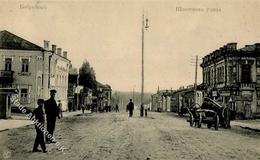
(210, 113)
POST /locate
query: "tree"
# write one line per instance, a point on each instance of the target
(87, 76)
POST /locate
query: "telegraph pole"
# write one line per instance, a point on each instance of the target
(144, 26)
(194, 62)
(195, 85)
(134, 94)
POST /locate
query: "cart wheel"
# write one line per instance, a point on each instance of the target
(191, 120)
(216, 122)
(199, 121)
(209, 125)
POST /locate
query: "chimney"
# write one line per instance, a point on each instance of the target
(59, 51)
(53, 48)
(46, 44)
(65, 53)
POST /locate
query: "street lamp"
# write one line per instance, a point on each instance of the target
(144, 26)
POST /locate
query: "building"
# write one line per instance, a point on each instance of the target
(176, 100)
(232, 77)
(73, 82)
(161, 101)
(32, 69)
(103, 96)
(184, 98)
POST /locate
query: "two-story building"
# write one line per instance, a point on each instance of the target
(32, 69)
(232, 77)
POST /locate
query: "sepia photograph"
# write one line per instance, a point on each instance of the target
(130, 80)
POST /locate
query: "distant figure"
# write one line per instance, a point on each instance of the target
(82, 108)
(130, 108)
(142, 110)
(60, 107)
(117, 108)
(52, 111)
(145, 110)
(39, 140)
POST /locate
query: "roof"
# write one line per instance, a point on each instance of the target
(11, 41)
(249, 48)
(100, 85)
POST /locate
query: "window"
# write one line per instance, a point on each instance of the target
(234, 69)
(257, 62)
(24, 95)
(258, 93)
(258, 69)
(220, 74)
(25, 65)
(258, 79)
(8, 64)
(246, 74)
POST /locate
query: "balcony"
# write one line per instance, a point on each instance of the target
(247, 86)
(6, 77)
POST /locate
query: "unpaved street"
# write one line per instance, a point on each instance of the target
(115, 136)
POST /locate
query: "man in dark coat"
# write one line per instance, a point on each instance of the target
(142, 110)
(39, 140)
(52, 111)
(117, 108)
(130, 107)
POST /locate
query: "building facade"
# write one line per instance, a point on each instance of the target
(104, 93)
(232, 77)
(32, 69)
(176, 100)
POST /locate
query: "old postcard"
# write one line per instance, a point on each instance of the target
(129, 79)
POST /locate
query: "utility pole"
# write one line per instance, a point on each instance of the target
(195, 85)
(134, 94)
(144, 26)
(194, 62)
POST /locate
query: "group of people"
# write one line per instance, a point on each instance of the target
(130, 109)
(52, 111)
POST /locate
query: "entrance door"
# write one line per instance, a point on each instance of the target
(247, 108)
(2, 106)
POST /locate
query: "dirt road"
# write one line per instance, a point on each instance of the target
(115, 136)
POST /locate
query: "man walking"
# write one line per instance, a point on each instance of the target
(130, 107)
(52, 111)
(82, 108)
(145, 110)
(142, 110)
(117, 108)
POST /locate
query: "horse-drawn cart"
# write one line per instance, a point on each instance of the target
(210, 113)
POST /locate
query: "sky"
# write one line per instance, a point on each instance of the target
(108, 34)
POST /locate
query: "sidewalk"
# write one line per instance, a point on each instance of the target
(247, 124)
(20, 120)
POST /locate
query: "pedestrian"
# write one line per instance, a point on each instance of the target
(130, 108)
(52, 111)
(39, 116)
(60, 108)
(117, 108)
(82, 108)
(142, 110)
(145, 110)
